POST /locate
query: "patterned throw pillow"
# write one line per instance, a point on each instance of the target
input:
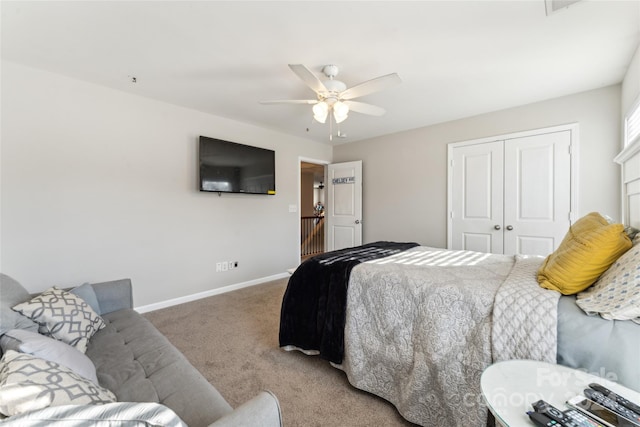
(63, 316)
(616, 294)
(28, 383)
(129, 414)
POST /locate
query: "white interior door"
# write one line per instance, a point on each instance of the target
(344, 207)
(537, 192)
(477, 197)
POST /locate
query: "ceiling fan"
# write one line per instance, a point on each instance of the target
(333, 95)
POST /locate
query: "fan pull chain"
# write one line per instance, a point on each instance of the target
(330, 127)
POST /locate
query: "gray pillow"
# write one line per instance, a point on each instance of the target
(13, 293)
(49, 349)
(86, 292)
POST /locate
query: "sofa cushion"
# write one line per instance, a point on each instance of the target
(13, 293)
(28, 383)
(124, 414)
(135, 361)
(64, 316)
(49, 349)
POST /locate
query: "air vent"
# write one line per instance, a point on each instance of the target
(553, 6)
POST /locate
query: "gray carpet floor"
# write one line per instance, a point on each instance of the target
(232, 339)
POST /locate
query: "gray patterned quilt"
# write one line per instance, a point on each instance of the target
(419, 328)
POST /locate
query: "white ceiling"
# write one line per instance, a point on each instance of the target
(455, 58)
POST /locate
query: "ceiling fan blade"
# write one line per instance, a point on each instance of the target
(291, 101)
(370, 86)
(308, 77)
(361, 107)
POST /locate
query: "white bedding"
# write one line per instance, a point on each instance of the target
(419, 326)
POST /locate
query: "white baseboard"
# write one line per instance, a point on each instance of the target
(200, 295)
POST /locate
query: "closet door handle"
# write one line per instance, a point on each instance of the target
(497, 227)
(509, 227)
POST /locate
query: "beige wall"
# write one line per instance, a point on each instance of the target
(99, 184)
(405, 174)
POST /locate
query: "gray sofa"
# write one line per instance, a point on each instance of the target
(138, 364)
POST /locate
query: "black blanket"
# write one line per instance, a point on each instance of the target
(314, 305)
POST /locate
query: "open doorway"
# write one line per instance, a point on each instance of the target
(313, 198)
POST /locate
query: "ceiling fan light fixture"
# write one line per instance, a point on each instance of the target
(340, 111)
(333, 97)
(321, 111)
(339, 119)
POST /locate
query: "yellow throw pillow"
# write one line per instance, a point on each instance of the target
(588, 249)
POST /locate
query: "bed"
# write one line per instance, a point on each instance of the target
(417, 325)
(421, 324)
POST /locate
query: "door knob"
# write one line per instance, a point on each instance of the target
(497, 227)
(509, 227)
(357, 221)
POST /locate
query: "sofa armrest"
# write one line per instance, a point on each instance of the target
(114, 295)
(261, 411)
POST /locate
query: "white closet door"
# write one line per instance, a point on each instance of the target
(537, 192)
(477, 213)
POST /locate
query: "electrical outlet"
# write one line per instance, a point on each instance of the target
(225, 266)
(218, 267)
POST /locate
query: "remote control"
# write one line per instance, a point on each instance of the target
(542, 420)
(611, 395)
(599, 413)
(611, 404)
(569, 418)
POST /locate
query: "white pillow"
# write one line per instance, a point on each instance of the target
(64, 316)
(616, 294)
(28, 383)
(47, 348)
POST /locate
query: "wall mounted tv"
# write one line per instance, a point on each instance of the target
(229, 167)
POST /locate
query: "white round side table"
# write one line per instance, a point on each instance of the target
(510, 387)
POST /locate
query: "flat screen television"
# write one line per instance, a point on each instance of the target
(229, 167)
